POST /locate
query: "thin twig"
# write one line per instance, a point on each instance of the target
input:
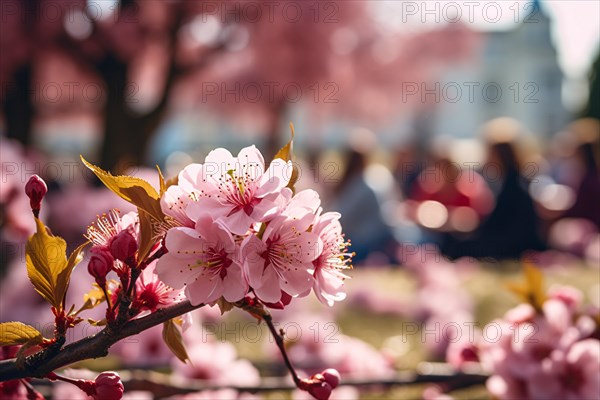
(281, 345)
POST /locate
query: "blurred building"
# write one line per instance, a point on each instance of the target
(518, 76)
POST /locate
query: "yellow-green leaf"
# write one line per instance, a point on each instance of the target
(532, 290)
(172, 337)
(161, 182)
(286, 154)
(92, 298)
(64, 278)
(47, 264)
(132, 189)
(12, 333)
(148, 235)
(93, 322)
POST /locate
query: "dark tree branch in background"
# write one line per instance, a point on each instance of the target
(165, 385)
(40, 364)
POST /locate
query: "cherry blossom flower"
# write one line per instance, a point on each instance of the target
(109, 225)
(111, 231)
(175, 200)
(328, 267)
(282, 259)
(152, 293)
(545, 353)
(236, 190)
(205, 261)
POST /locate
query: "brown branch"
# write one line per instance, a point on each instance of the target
(40, 364)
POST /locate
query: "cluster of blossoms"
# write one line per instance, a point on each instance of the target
(238, 230)
(228, 232)
(115, 241)
(551, 352)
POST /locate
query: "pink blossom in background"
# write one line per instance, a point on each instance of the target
(546, 354)
(326, 347)
(214, 361)
(146, 349)
(16, 168)
(31, 309)
(222, 394)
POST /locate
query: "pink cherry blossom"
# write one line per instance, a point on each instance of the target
(152, 293)
(205, 261)
(175, 200)
(328, 267)
(236, 190)
(544, 353)
(282, 259)
(109, 225)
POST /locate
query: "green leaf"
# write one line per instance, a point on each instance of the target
(286, 154)
(172, 337)
(47, 266)
(12, 333)
(132, 189)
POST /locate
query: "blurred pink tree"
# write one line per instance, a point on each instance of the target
(119, 68)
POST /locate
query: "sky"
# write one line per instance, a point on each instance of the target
(576, 23)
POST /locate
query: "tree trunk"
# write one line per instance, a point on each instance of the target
(18, 105)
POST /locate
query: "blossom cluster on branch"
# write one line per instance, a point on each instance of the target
(229, 232)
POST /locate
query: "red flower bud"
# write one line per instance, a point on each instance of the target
(123, 246)
(320, 390)
(36, 189)
(331, 376)
(100, 264)
(108, 386)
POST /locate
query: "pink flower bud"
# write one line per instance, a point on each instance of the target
(331, 376)
(320, 390)
(123, 246)
(100, 264)
(108, 386)
(36, 189)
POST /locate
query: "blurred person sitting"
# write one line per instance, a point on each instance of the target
(512, 228)
(359, 205)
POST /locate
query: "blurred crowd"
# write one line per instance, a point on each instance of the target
(499, 196)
